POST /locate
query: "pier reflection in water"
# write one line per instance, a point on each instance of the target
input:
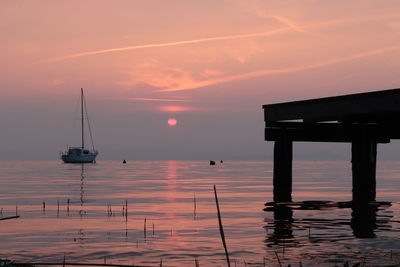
(313, 225)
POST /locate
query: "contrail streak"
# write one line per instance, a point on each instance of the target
(202, 40)
(287, 22)
(267, 72)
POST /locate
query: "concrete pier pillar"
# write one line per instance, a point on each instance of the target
(282, 180)
(363, 158)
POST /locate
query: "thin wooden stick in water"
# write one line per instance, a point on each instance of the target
(109, 210)
(221, 229)
(8, 218)
(279, 261)
(195, 206)
(126, 210)
(144, 228)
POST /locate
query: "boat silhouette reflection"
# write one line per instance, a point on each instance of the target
(82, 191)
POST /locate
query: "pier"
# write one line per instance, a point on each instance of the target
(364, 120)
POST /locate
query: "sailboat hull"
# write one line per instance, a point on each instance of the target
(85, 159)
(76, 155)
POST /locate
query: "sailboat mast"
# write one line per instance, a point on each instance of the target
(83, 139)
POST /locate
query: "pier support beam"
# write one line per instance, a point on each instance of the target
(363, 158)
(283, 155)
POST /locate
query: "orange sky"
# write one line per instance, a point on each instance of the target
(150, 60)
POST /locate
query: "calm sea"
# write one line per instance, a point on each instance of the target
(79, 212)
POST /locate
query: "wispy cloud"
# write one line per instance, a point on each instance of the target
(290, 27)
(154, 99)
(395, 25)
(199, 84)
(159, 76)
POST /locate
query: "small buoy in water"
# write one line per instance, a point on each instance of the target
(212, 162)
(124, 161)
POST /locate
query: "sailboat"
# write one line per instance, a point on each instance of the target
(81, 154)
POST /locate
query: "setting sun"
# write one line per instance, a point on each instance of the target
(172, 121)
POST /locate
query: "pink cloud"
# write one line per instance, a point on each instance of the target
(155, 99)
(193, 84)
(175, 109)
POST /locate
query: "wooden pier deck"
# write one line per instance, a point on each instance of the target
(364, 120)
